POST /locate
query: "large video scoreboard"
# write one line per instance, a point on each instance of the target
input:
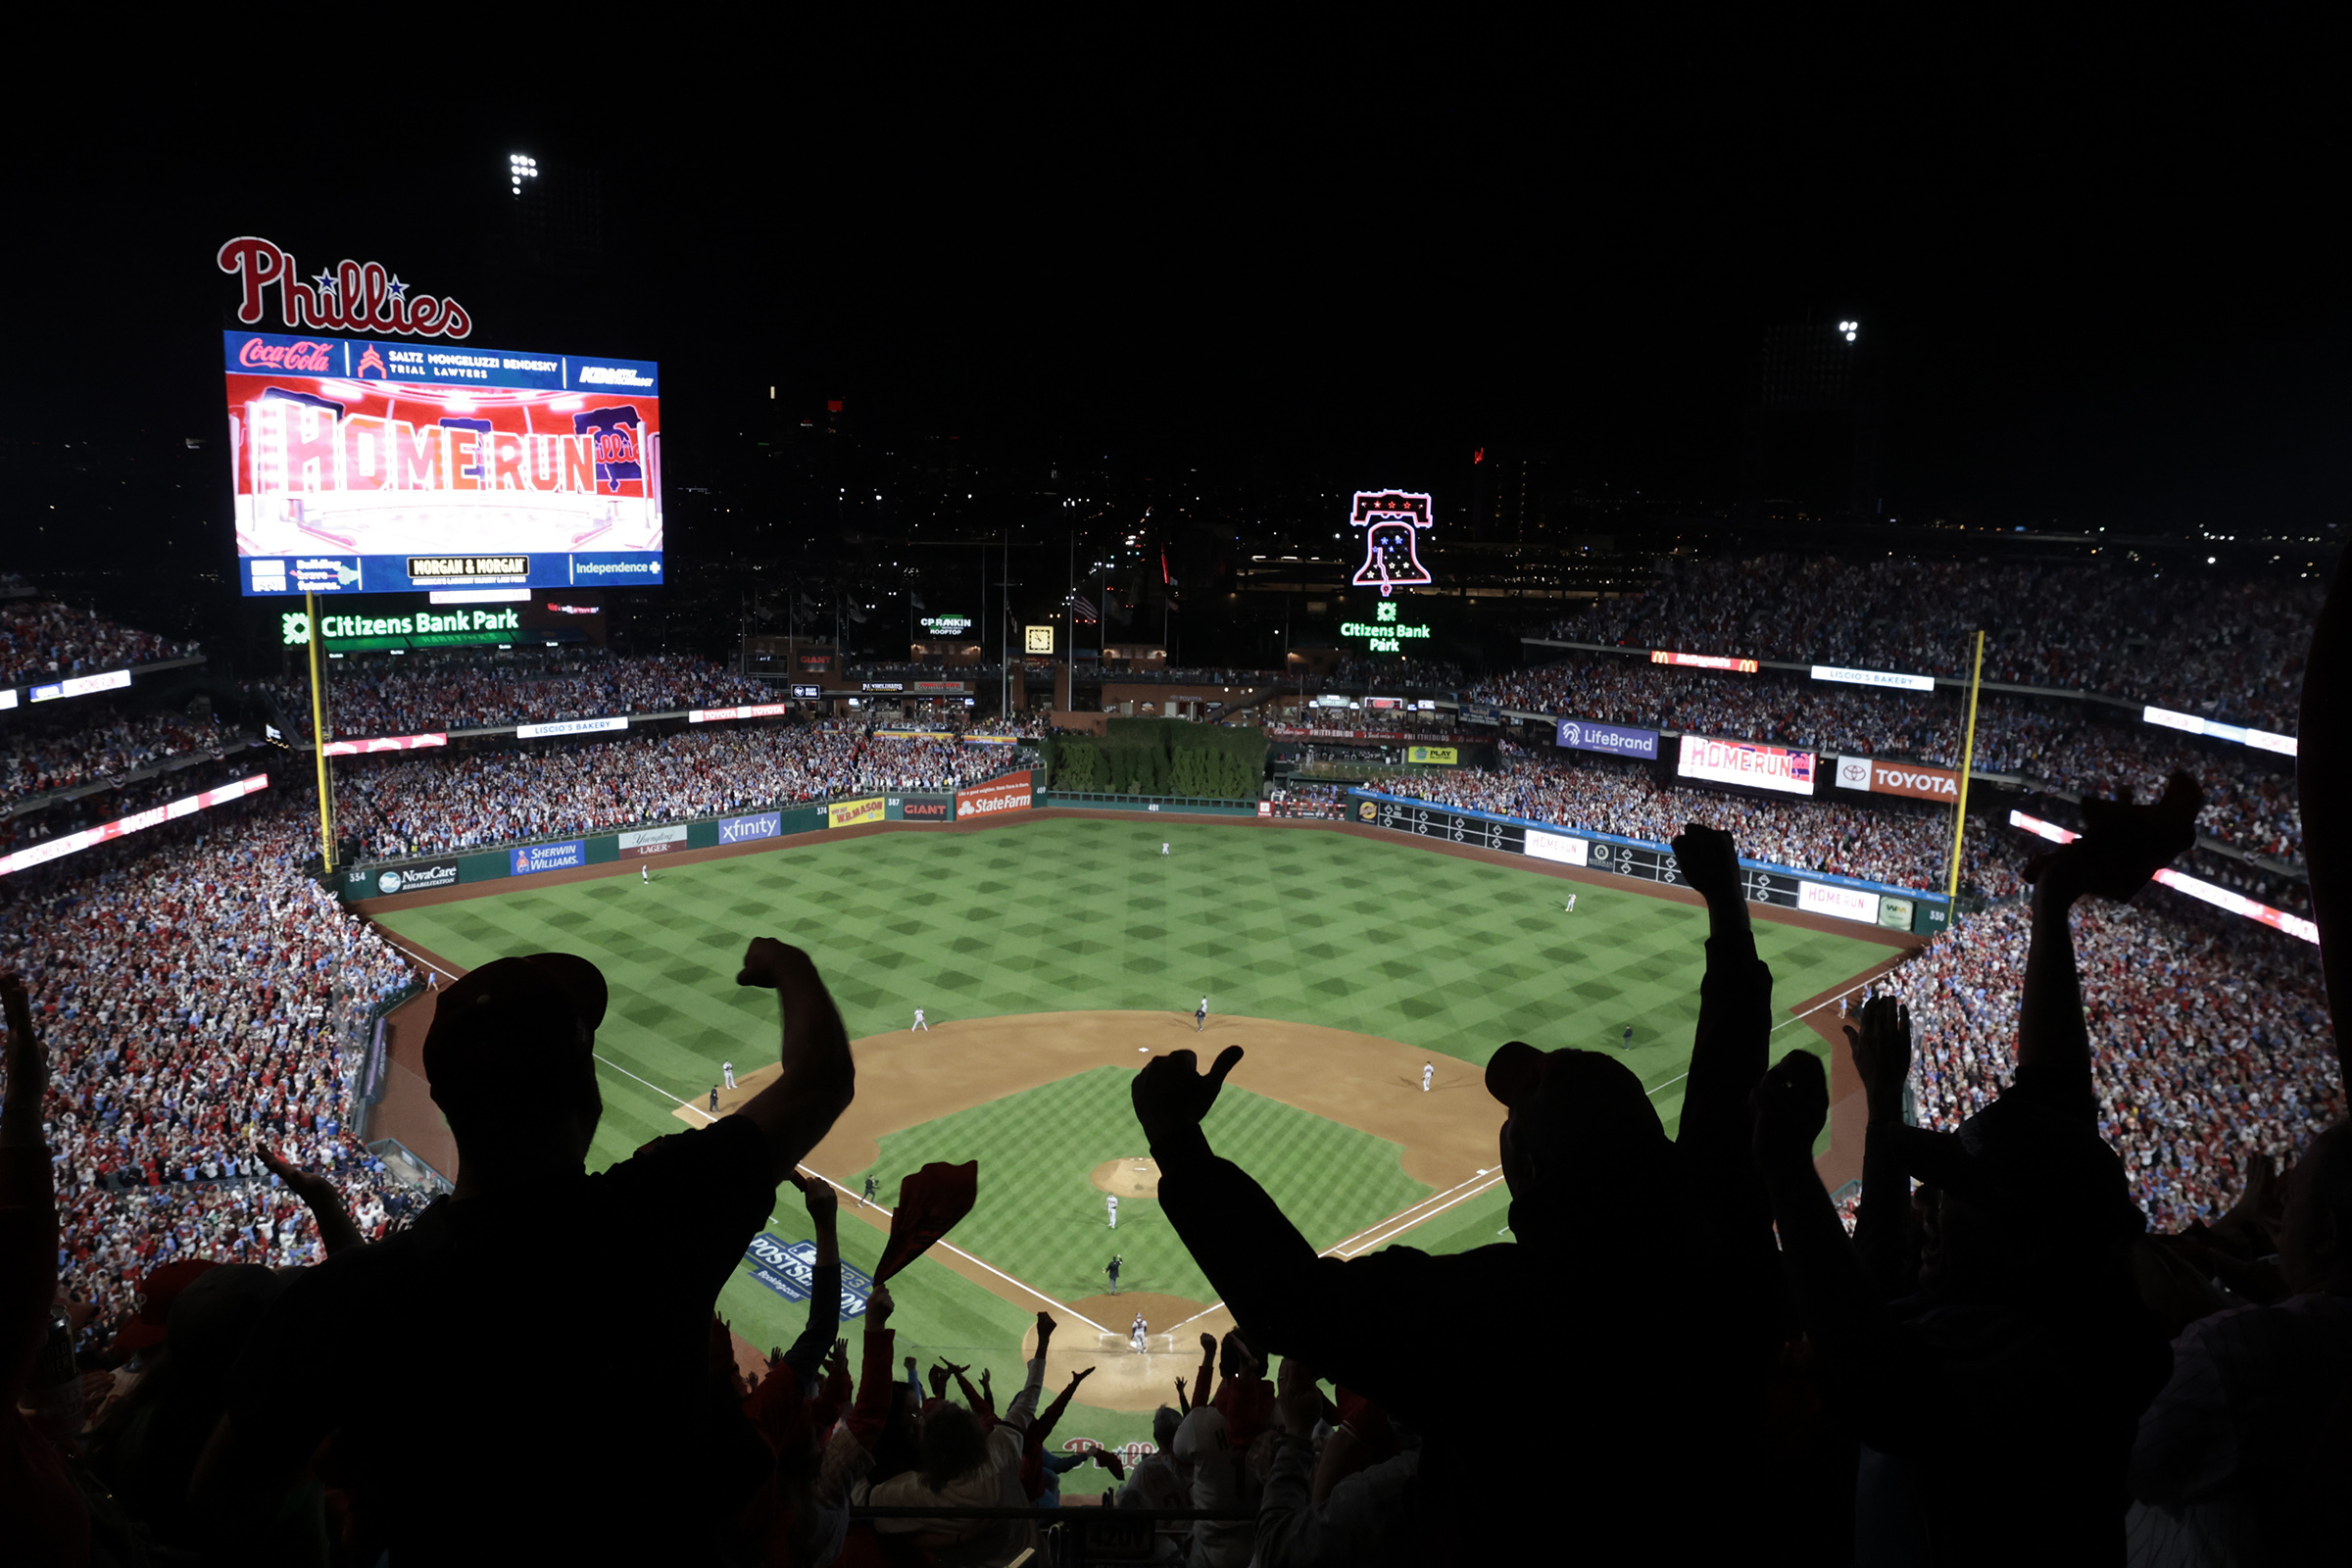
(368, 466)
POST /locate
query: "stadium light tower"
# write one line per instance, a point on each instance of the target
(1849, 330)
(520, 169)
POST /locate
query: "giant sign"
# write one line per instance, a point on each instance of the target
(423, 628)
(1747, 765)
(1384, 633)
(1913, 780)
(372, 466)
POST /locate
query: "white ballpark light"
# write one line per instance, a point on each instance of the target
(2262, 740)
(480, 596)
(2221, 898)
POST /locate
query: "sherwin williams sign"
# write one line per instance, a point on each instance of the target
(1008, 794)
(845, 813)
(530, 857)
(1616, 740)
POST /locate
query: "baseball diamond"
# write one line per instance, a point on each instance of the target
(1057, 953)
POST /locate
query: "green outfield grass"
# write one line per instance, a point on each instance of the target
(1039, 1220)
(1381, 935)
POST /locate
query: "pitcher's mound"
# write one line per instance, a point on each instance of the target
(1128, 1178)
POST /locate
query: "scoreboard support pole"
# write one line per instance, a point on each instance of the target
(319, 738)
(1968, 755)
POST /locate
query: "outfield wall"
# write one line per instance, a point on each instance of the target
(1020, 790)
(1781, 887)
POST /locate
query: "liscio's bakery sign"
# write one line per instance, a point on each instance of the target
(348, 297)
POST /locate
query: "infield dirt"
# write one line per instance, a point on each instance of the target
(908, 1078)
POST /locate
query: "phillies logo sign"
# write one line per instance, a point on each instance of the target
(352, 296)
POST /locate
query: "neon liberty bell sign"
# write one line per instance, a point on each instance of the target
(1392, 520)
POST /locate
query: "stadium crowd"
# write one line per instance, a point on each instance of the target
(1903, 844)
(42, 640)
(2086, 1309)
(2211, 1035)
(427, 802)
(2057, 743)
(424, 692)
(2232, 651)
(197, 991)
(100, 745)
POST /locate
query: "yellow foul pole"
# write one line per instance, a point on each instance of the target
(1968, 756)
(319, 737)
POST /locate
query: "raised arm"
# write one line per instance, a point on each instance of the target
(336, 1229)
(2123, 846)
(1729, 1051)
(808, 1353)
(818, 1079)
(1881, 1051)
(1209, 1367)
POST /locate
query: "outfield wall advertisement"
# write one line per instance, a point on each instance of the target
(653, 839)
(531, 859)
(1779, 887)
(848, 813)
(746, 829)
(1011, 793)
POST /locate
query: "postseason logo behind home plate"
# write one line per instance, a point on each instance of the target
(791, 1272)
(1008, 794)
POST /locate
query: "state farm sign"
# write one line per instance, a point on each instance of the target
(1915, 780)
(1008, 794)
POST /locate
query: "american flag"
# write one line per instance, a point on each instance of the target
(1080, 607)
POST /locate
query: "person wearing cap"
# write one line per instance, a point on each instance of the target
(1613, 1254)
(400, 1349)
(2023, 1340)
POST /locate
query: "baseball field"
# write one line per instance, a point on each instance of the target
(1054, 955)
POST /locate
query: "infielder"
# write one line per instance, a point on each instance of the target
(728, 1071)
(871, 1183)
(1135, 1335)
(714, 1099)
(1200, 1016)
(1113, 1201)
(1429, 1070)
(1112, 1269)
(919, 1022)
(1629, 1037)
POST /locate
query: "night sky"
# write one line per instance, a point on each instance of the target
(2102, 291)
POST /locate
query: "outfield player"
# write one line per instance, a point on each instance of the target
(646, 874)
(1200, 1016)
(919, 1022)
(1629, 1037)
(1135, 1335)
(1571, 904)
(1163, 848)
(1113, 1201)
(1429, 1070)
(728, 1071)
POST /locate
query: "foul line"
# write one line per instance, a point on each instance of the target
(1484, 1182)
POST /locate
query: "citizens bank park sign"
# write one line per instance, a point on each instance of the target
(348, 297)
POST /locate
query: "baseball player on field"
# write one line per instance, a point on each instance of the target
(871, 1184)
(1200, 1016)
(1113, 1201)
(1112, 1269)
(1429, 1070)
(714, 1099)
(1163, 848)
(727, 1070)
(919, 1022)
(1571, 904)
(1135, 1335)
(646, 873)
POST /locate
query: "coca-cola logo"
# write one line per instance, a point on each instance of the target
(352, 296)
(306, 356)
